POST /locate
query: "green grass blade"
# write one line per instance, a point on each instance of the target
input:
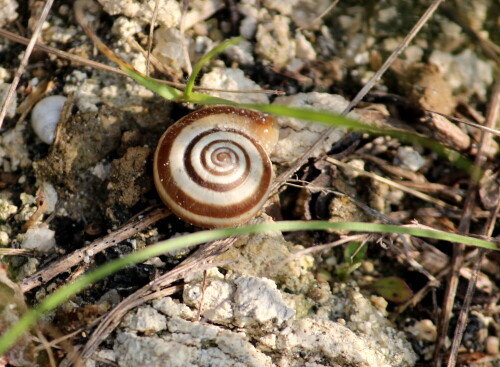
(204, 59)
(59, 296)
(165, 91)
(332, 119)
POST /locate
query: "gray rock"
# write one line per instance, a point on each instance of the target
(188, 344)
(258, 301)
(145, 319)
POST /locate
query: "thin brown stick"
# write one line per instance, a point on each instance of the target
(394, 184)
(464, 311)
(24, 61)
(198, 261)
(182, 30)
(64, 264)
(491, 117)
(62, 54)
(467, 122)
(409, 37)
(46, 347)
(97, 65)
(323, 13)
(152, 25)
(202, 296)
(44, 87)
(16, 252)
(383, 218)
(318, 248)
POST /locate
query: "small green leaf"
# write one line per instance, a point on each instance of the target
(354, 253)
(392, 289)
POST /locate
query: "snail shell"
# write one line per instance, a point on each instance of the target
(212, 169)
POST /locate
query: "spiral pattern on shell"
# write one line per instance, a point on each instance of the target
(212, 167)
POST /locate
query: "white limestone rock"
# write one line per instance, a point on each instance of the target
(39, 239)
(188, 344)
(258, 302)
(8, 13)
(169, 12)
(145, 319)
(232, 79)
(297, 136)
(45, 117)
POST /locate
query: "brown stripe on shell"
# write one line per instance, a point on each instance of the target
(218, 187)
(214, 158)
(204, 154)
(216, 211)
(227, 110)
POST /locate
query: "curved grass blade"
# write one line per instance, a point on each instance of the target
(59, 296)
(204, 59)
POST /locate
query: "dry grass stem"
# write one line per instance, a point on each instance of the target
(470, 123)
(137, 224)
(491, 118)
(152, 25)
(391, 183)
(182, 30)
(97, 65)
(406, 41)
(319, 17)
(46, 346)
(463, 227)
(17, 252)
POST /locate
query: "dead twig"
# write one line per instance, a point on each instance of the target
(48, 349)
(97, 65)
(323, 13)
(467, 122)
(404, 252)
(202, 297)
(394, 184)
(182, 30)
(406, 41)
(16, 252)
(491, 117)
(198, 261)
(137, 224)
(152, 26)
(44, 87)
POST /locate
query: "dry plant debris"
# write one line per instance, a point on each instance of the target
(267, 299)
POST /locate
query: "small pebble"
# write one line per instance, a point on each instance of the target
(45, 116)
(409, 158)
(40, 239)
(492, 345)
(425, 330)
(50, 196)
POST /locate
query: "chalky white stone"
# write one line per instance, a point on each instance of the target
(45, 116)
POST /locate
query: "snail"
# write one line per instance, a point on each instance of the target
(211, 167)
